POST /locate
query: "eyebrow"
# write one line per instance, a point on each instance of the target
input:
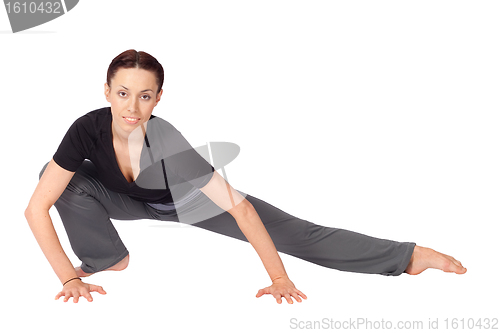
(141, 90)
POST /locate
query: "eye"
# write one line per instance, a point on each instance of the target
(146, 97)
(122, 92)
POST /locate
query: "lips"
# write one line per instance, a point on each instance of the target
(131, 120)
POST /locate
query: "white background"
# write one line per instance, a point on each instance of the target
(379, 117)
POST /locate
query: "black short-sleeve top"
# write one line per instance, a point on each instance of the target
(169, 166)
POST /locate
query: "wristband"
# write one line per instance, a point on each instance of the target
(72, 279)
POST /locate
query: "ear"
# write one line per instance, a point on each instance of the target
(158, 96)
(107, 90)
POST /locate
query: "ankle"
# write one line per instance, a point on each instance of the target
(80, 273)
(120, 266)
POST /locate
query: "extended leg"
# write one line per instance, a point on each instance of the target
(330, 247)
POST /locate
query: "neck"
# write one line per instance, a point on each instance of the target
(126, 138)
(119, 135)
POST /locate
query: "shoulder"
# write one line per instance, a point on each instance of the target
(94, 121)
(95, 117)
(81, 138)
(160, 127)
(163, 138)
(158, 121)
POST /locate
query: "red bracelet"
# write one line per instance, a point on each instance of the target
(72, 279)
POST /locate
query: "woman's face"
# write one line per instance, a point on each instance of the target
(133, 97)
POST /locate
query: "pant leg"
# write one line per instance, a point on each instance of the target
(85, 208)
(330, 247)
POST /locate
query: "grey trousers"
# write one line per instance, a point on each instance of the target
(86, 206)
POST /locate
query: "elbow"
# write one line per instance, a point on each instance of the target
(243, 209)
(30, 212)
(27, 213)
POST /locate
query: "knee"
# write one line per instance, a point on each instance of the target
(43, 170)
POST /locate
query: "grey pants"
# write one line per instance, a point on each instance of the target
(86, 206)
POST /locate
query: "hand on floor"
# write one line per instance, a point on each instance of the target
(77, 288)
(283, 287)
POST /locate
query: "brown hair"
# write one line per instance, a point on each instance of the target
(136, 59)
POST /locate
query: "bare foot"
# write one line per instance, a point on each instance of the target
(80, 273)
(117, 267)
(424, 258)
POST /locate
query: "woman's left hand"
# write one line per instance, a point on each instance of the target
(283, 287)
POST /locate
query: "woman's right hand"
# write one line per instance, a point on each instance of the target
(77, 288)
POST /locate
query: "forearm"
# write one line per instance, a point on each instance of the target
(254, 230)
(46, 236)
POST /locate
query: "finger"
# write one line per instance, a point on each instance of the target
(66, 298)
(59, 295)
(99, 289)
(296, 296)
(301, 294)
(278, 298)
(76, 297)
(262, 292)
(288, 298)
(88, 296)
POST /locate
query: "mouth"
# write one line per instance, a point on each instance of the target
(131, 120)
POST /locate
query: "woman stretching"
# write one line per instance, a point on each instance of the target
(122, 162)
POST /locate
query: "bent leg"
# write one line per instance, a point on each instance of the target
(85, 208)
(330, 247)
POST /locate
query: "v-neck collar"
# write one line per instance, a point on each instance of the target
(108, 134)
(111, 147)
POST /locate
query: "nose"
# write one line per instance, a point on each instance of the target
(133, 105)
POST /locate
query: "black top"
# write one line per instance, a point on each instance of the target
(169, 166)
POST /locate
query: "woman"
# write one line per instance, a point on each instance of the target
(122, 162)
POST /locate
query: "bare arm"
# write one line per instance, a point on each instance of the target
(248, 220)
(49, 188)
